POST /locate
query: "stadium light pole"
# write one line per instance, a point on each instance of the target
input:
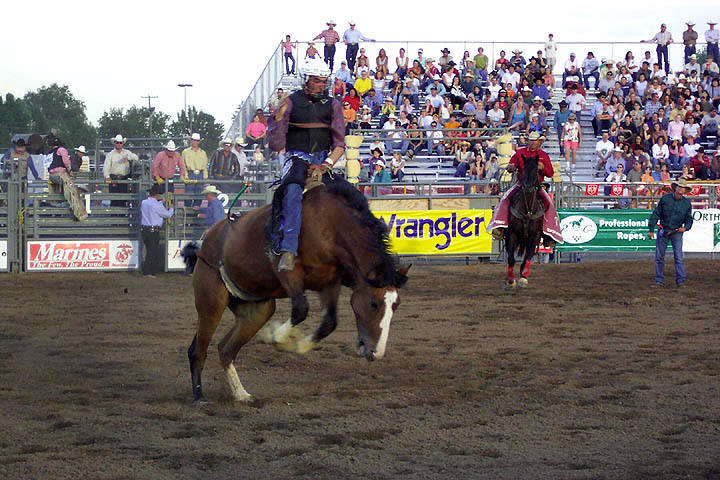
(185, 86)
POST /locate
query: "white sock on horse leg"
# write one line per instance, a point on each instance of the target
(237, 390)
(280, 334)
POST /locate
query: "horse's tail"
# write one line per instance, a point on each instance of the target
(190, 257)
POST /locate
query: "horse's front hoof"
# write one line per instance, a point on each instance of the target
(510, 285)
(523, 282)
(245, 399)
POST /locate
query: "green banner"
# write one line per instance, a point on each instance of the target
(605, 231)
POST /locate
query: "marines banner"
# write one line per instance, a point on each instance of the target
(438, 232)
(627, 230)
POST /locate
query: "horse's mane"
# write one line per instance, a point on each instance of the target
(377, 240)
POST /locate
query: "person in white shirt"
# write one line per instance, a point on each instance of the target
(575, 101)
(691, 148)
(494, 88)
(551, 52)
(117, 166)
(571, 69)
(572, 138)
(712, 36)
(691, 128)
(495, 116)
(511, 77)
(435, 100)
(660, 151)
(603, 150)
(435, 140)
(663, 38)
(395, 140)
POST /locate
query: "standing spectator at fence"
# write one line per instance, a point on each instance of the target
(551, 52)
(214, 212)
(78, 162)
(61, 182)
(590, 67)
(166, 163)
(117, 167)
(352, 37)
(674, 215)
(288, 52)
(242, 159)
(712, 36)
(690, 37)
(196, 166)
(224, 164)
(152, 214)
(330, 37)
(19, 153)
(663, 38)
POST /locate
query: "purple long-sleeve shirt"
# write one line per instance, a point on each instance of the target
(278, 135)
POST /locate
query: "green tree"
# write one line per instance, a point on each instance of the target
(54, 109)
(132, 123)
(14, 118)
(203, 123)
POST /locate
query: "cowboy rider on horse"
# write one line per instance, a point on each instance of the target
(500, 218)
(310, 129)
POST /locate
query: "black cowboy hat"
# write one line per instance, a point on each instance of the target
(377, 149)
(156, 189)
(20, 142)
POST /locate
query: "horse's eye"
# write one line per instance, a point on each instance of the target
(373, 305)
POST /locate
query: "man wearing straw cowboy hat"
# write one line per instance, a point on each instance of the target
(117, 166)
(500, 218)
(331, 37)
(712, 36)
(214, 212)
(196, 166)
(352, 37)
(690, 37)
(674, 215)
(165, 163)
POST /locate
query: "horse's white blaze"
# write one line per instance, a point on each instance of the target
(237, 390)
(390, 299)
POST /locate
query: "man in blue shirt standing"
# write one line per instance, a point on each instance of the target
(352, 37)
(152, 213)
(214, 212)
(674, 213)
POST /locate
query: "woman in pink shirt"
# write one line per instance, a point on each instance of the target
(255, 133)
(675, 128)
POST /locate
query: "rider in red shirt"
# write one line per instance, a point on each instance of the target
(551, 222)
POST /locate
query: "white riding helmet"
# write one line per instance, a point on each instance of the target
(314, 67)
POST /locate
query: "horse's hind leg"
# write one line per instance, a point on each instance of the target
(211, 299)
(329, 299)
(249, 318)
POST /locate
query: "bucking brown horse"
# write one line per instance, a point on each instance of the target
(341, 243)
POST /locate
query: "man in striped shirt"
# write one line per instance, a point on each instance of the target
(331, 37)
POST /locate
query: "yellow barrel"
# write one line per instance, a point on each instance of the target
(352, 170)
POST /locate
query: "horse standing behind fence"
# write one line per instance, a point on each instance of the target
(341, 243)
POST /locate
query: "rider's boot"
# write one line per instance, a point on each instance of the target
(287, 262)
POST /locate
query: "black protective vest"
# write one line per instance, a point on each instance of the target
(56, 161)
(309, 110)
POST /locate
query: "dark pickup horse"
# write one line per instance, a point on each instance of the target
(341, 243)
(525, 222)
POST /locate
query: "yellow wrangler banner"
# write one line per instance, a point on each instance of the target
(438, 232)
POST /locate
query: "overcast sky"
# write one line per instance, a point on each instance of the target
(112, 54)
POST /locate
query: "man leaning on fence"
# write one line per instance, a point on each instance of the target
(674, 215)
(19, 153)
(166, 163)
(152, 214)
(118, 167)
(60, 171)
(196, 166)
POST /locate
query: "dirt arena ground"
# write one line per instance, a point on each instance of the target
(587, 374)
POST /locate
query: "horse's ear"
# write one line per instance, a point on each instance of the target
(401, 277)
